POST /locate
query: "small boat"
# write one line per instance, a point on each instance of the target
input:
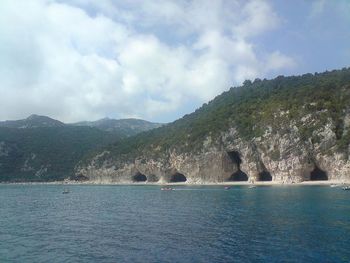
(251, 186)
(347, 187)
(166, 188)
(65, 191)
(227, 187)
(335, 185)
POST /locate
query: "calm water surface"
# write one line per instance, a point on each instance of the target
(192, 224)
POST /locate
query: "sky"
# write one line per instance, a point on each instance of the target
(77, 60)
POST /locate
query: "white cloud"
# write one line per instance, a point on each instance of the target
(277, 61)
(76, 60)
(321, 8)
(257, 17)
(317, 7)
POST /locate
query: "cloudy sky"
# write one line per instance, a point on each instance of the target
(156, 59)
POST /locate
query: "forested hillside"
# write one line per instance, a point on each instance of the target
(288, 129)
(251, 108)
(312, 107)
(46, 153)
(124, 127)
(40, 148)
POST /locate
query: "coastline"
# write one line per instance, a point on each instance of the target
(270, 183)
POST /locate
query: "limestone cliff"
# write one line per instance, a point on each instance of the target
(287, 130)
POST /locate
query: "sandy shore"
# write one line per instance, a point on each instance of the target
(272, 183)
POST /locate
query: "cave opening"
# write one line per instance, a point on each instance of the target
(318, 175)
(177, 178)
(264, 176)
(235, 157)
(238, 176)
(139, 177)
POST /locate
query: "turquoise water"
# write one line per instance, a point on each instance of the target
(192, 224)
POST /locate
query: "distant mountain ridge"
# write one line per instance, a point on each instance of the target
(33, 121)
(124, 127)
(40, 148)
(47, 153)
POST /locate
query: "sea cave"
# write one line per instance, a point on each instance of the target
(318, 175)
(177, 178)
(139, 177)
(238, 176)
(264, 176)
(235, 158)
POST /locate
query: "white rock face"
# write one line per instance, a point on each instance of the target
(284, 157)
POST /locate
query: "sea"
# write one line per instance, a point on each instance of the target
(140, 223)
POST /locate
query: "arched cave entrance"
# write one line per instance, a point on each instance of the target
(139, 177)
(235, 158)
(264, 176)
(318, 175)
(238, 176)
(177, 178)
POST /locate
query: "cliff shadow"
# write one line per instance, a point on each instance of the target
(178, 178)
(264, 176)
(318, 175)
(235, 158)
(238, 177)
(139, 177)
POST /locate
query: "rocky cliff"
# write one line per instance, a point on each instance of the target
(286, 130)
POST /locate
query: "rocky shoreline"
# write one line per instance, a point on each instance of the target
(275, 158)
(273, 183)
(290, 129)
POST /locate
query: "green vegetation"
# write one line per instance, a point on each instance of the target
(124, 127)
(307, 102)
(46, 153)
(40, 148)
(251, 108)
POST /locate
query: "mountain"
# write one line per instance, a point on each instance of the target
(288, 129)
(46, 153)
(33, 121)
(40, 148)
(125, 127)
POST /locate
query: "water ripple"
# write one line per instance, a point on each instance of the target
(191, 224)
